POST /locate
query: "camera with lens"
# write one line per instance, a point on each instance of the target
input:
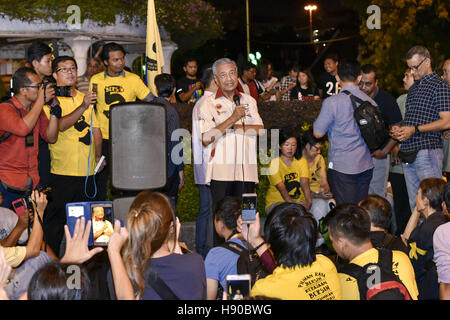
(60, 91)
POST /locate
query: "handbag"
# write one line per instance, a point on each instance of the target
(408, 157)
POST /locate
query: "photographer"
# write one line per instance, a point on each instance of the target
(21, 123)
(25, 260)
(74, 153)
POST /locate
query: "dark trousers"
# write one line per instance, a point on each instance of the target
(401, 201)
(103, 176)
(349, 188)
(221, 189)
(43, 163)
(65, 189)
(203, 229)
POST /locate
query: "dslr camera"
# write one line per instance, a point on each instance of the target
(60, 91)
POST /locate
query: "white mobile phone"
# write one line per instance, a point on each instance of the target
(238, 286)
(99, 164)
(249, 206)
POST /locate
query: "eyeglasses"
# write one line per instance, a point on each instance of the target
(317, 148)
(66, 70)
(418, 66)
(35, 86)
(363, 83)
(230, 74)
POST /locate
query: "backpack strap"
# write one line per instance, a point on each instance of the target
(234, 247)
(6, 135)
(388, 241)
(385, 261)
(358, 273)
(159, 285)
(353, 98)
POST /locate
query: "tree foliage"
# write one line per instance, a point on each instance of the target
(179, 17)
(404, 23)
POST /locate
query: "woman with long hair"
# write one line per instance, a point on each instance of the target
(305, 88)
(152, 255)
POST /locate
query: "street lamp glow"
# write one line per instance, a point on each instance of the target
(311, 7)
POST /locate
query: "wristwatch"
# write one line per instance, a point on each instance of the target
(416, 127)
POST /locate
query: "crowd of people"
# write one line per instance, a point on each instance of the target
(353, 224)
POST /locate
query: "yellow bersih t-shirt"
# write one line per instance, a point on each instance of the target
(69, 155)
(401, 265)
(290, 176)
(319, 281)
(112, 90)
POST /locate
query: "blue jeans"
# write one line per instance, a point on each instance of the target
(349, 188)
(428, 164)
(204, 224)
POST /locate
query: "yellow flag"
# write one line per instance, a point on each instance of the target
(154, 53)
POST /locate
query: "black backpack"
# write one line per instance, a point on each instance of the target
(374, 130)
(248, 261)
(389, 287)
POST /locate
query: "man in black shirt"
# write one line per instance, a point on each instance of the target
(326, 82)
(380, 212)
(40, 56)
(189, 88)
(392, 116)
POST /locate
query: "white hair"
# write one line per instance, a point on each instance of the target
(220, 62)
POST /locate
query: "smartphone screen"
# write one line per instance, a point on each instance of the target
(249, 206)
(238, 286)
(102, 223)
(94, 87)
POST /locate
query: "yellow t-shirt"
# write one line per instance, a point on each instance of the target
(315, 170)
(290, 176)
(112, 90)
(401, 265)
(69, 155)
(319, 281)
(15, 255)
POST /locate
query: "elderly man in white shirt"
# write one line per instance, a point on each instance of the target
(229, 121)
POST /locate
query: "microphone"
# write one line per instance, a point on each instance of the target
(237, 102)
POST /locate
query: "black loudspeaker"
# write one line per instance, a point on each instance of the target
(138, 137)
(121, 207)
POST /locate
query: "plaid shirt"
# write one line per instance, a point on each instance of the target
(426, 98)
(284, 84)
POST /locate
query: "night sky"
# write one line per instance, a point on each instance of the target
(279, 30)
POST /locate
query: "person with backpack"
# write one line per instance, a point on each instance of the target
(380, 212)
(391, 115)
(232, 257)
(301, 274)
(350, 166)
(371, 273)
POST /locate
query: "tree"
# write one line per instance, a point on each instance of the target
(404, 23)
(181, 18)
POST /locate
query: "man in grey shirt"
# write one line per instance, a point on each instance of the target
(350, 165)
